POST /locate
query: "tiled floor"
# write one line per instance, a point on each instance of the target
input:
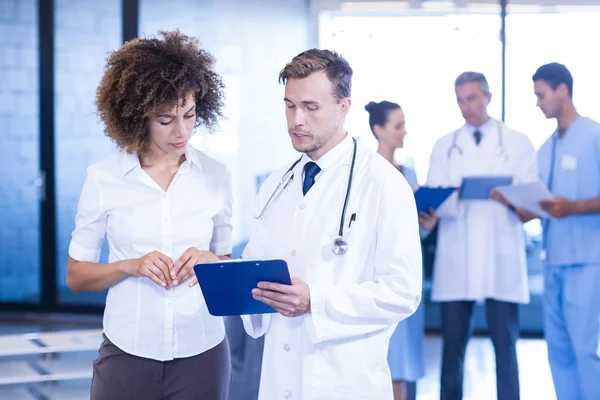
(480, 382)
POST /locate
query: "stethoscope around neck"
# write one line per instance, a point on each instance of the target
(499, 147)
(340, 244)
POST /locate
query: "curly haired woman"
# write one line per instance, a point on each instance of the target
(164, 207)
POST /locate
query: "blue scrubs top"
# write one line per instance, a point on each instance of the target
(405, 355)
(570, 166)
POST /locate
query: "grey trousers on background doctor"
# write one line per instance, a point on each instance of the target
(246, 360)
(457, 328)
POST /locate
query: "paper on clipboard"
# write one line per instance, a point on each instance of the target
(527, 196)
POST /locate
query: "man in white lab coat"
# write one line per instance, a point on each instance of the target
(480, 254)
(329, 339)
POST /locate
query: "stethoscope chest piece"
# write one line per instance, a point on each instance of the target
(340, 246)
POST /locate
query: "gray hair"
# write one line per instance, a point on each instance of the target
(473, 77)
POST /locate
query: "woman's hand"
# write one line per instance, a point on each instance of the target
(184, 267)
(153, 265)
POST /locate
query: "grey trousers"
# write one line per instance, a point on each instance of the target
(457, 327)
(119, 375)
(246, 360)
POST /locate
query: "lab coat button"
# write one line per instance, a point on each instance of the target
(293, 253)
(287, 395)
(302, 206)
(287, 347)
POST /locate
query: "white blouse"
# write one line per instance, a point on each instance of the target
(121, 201)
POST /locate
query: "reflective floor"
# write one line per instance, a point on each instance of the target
(480, 383)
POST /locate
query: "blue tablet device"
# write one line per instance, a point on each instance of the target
(479, 187)
(227, 285)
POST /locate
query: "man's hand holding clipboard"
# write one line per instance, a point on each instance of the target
(288, 300)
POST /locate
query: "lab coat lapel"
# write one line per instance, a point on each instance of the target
(282, 217)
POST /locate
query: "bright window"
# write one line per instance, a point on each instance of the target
(389, 64)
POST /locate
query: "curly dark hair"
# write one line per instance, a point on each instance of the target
(146, 75)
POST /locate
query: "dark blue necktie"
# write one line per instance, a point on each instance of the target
(311, 170)
(477, 136)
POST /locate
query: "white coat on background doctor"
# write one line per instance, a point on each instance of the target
(493, 232)
(329, 339)
(480, 254)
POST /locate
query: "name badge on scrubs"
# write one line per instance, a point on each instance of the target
(569, 162)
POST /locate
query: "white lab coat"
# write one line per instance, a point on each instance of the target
(481, 250)
(339, 350)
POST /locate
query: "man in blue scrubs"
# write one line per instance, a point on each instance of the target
(569, 163)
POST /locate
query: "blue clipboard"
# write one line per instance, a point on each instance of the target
(227, 286)
(428, 197)
(479, 187)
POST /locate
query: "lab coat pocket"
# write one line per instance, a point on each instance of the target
(510, 264)
(508, 234)
(354, 367)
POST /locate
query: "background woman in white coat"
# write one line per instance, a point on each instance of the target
(480, 252)
(405, 355)
(164, 207)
